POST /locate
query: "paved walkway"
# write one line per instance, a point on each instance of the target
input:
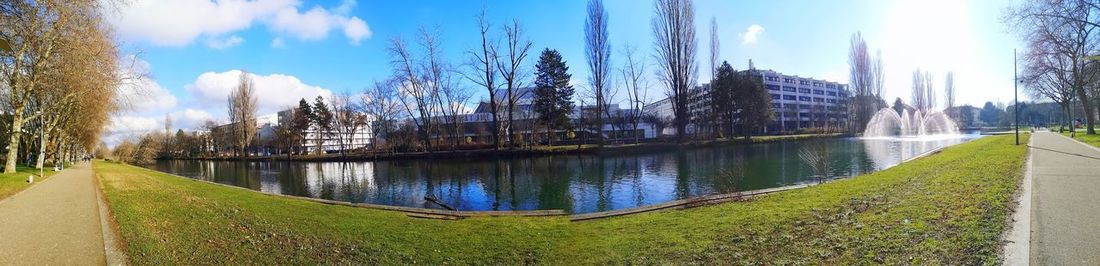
(54, 222)
(1065, 220)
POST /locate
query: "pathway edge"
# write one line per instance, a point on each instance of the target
(1017, 240)
(112, 249)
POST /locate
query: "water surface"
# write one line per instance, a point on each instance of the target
(575, 183)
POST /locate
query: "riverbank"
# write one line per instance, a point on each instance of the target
(15, 182)
(947, 208)
(532, 152)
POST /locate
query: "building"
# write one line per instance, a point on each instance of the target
(799, 104)
(802, 103)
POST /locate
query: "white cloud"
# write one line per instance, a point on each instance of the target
(752, 34)
(180, 22)
(275, 91)
(222, 44)
(356, 29)
(278, 43)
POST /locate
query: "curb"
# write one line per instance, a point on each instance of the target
(112, 244)
(1016, 240)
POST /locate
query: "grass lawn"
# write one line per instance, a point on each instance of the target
(15, 182)
(948, 208)
(1093, 140)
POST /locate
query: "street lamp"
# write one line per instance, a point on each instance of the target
(1015, 96)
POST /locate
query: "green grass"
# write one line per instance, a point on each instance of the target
(1093, 140)
(14, 182)
(948, 208)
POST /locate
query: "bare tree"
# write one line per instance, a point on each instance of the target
(416, 92)
(381, 104)
(633, 78)
(598, 54)
(675, 44)
(918, 95)
(1065, 29)
(878, 77)
(242, 113)
(714, 48)
(861, 80)
(515, 51)
(1045, 75)
(949, 93)
(930, 92)
(349, 120)
(482, 64)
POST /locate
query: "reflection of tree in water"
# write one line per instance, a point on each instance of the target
(816, 155)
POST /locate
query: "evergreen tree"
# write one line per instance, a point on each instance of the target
(899, 106)
(553, 95)
(752, 103)
(323, 119)
(302, 120)
(721, 93)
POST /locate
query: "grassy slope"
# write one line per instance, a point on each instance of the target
(15, 182)
(948, 208)
(1093, 140)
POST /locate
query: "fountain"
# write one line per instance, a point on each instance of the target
(888, 123)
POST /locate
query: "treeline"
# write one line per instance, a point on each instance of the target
(58, 78)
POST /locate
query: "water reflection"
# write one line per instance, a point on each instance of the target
(576, 183)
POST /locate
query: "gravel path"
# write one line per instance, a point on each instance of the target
(54, 222)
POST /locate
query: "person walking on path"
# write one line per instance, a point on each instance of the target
(54, 222)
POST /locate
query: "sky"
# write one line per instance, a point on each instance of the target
(182, 57)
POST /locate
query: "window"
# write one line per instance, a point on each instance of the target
(773, 87)
(775, 96)
(789, 89)
(832, 93)
(803, 114)
(819, 92)
(801, 90)
(788, 80)
(803, 82)
(803, 98)
(830, 86)
(817, 84)
(830, 100)
(788, 97)
(819, 100)
(771, 78)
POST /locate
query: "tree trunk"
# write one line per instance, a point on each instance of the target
(13, 141)
(1090, 130)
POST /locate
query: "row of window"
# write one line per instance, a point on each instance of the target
(804, 90)
(804, 98)
(802, 82)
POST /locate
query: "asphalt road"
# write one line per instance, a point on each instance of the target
(1065, 220)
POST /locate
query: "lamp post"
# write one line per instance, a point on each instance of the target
(1016, 96)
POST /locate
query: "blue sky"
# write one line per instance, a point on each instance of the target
(192, 48)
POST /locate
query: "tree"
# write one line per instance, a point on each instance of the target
(242, 113)
(1068, 31)
(899, 106)
(714, 48)
(990, 114)
(324, 121)
(553, 95)
(633, 74)
(866, 79)
(751, 102)
(674, 44)
(302, 122)
(598, 53)
(483, 65)
(59, 75)
(347, 119)
(415, 92)
(722, 90)
(515, 51)
(1044, 76)
(380, 103)
(949, 93)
